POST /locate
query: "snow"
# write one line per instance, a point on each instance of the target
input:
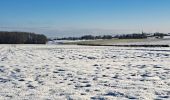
(59, 72)
(65, 41)
(165, 41)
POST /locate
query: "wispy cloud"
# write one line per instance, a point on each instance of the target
(68, 31)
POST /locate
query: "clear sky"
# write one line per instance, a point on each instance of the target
(78, 17)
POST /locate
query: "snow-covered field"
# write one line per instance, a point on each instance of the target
(52, 72)
(147, 42)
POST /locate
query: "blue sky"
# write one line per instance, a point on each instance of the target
(78, 17)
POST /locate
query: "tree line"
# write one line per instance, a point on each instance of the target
(142, 36)
(131, 36)
(21, 38)
(91, 37)
(120, 36)
(86, 37)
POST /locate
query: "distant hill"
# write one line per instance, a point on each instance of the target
(21, 38)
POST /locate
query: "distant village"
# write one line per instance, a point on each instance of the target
(143, 35)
